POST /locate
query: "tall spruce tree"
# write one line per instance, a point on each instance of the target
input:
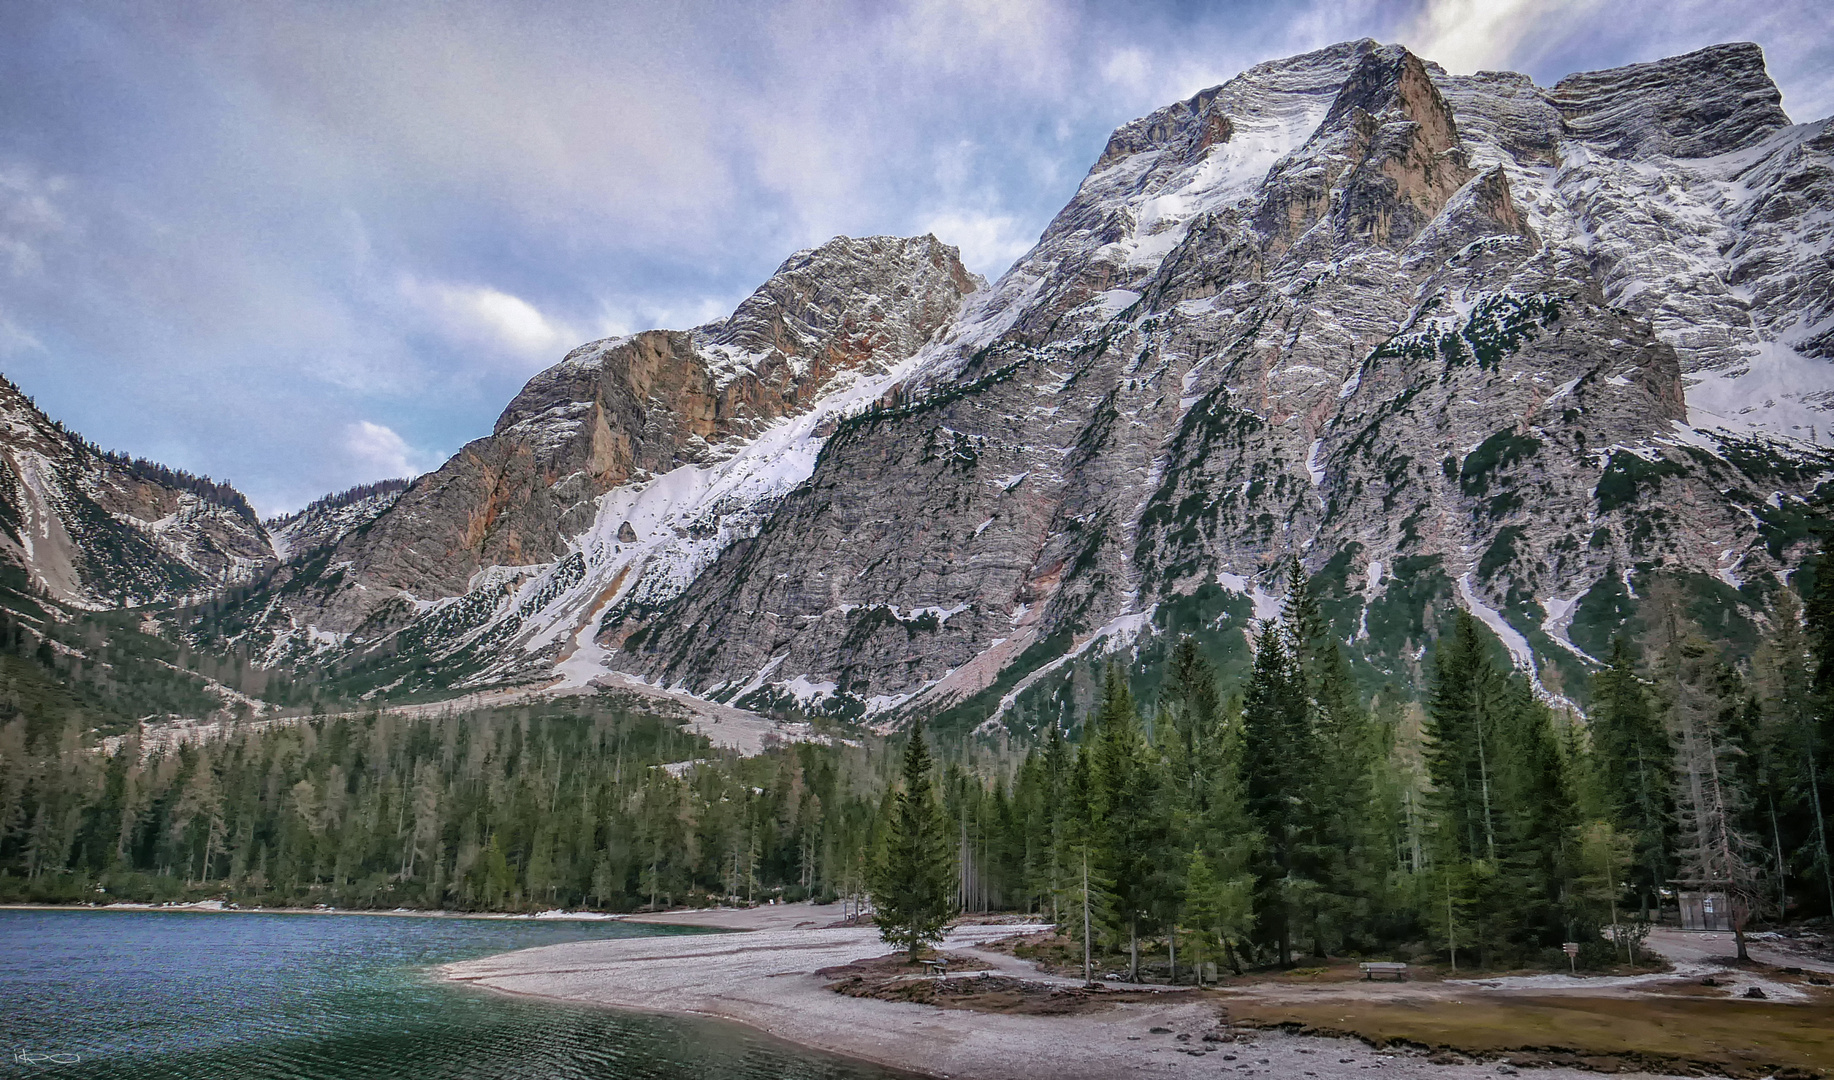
(913, 886)
(1277, 758)
(1814, 738)
(1715, 855)
(1130, 830)
(1340, 793)
(1085, 899)
(1540, 815)
(1631, 761)
(1461, 744)
(1464, 763)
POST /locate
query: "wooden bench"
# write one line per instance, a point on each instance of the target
(1372, 968)
(937, 967)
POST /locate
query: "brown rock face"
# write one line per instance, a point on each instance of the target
(1383, 163)
(623, 410)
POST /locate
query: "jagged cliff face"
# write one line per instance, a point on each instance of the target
(622, 469)
(1450, 341)
(91, 532)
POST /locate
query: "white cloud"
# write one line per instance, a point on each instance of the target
(990, 243)
(15, 338)
(482, 316)
(29, 215)
(378, 452)
(1130, 69)
(1472, 35)
(1024, 40)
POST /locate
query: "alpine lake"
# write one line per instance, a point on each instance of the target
(233, 995)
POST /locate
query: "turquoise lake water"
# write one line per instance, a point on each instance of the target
(201, 996)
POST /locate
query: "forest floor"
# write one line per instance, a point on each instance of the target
(800, 974)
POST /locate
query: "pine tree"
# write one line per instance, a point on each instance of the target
(1129, 832)
(1540, 813)
(1714, 853)
(1464, 761)
(1193, 706)
(1631, 759)
(1604, 856)
(1217, 913)
(1461, 744)
(914, 888)
(1341, 792)
(1086, 900)
(1277, 756)
(1202, 922)
(1812, 731)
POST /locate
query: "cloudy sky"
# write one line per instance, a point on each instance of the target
(305, 245)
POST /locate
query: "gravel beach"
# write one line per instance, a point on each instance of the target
(765, 977)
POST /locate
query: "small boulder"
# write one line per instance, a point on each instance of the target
(1755, 993)
(626, 534)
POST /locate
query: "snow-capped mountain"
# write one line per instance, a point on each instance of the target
(615, 476)
(1448, 340)
(95, 530)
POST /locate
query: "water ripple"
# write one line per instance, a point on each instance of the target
(187, 996)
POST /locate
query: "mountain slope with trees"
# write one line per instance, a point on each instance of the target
(1234, 821)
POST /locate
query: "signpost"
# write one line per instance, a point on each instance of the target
(1571, 948)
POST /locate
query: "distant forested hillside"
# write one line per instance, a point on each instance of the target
(1256, 820)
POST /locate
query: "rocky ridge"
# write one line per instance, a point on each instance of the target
(1448, 340)
(615, 475)
(1451, 341)
(328, 520)
(94, 530)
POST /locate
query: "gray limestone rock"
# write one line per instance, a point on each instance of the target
(1446, 340)
(97, 530)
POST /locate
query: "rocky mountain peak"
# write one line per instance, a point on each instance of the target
(1707, 102)
(845, 302)
(1448, 341)
(623, 412)
(1382, 162)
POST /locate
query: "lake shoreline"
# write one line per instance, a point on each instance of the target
(151, 992)
(214, 908)
(764, 976)
(752, 1030)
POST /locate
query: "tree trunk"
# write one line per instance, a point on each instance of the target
(1088, 971)
(1133, 949)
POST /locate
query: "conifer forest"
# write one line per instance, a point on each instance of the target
(1231, 823)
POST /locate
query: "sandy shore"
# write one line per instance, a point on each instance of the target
(764, 977)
